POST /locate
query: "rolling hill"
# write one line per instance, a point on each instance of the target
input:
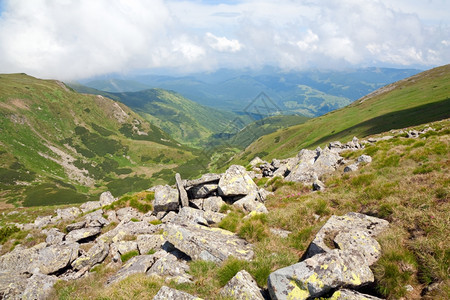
(422, 98)
(58, 146)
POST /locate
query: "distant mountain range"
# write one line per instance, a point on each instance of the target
(310, 93)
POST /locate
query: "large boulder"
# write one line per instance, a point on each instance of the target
(360, 242)
(54, 236)
(166, 293)
(213, 204)
(68, 213)
(319, 275)
(202, 190)
(137, 264)
(171, 269)
(106, 198)
(340, 224)
(12, 285)
(90, 205)
(21, 260)
(249, 204)
(212, 244)
(189, 214)
(149, 242)
(128, 213)
(236, 182)
(184, 200)
(96, 254)
(242, 287)
(54, 258)
(206, 178)
(166, 199)
(129, 228)
(39, 287)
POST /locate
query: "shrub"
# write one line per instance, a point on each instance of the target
(6, 232)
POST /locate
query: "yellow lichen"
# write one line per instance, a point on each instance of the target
(297, 293)
(356, 280)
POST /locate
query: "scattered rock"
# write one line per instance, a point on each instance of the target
(202, 190)
(42, 221)
(242, 287)
(280, 232)
(318, 185)
(351, 168)
(75, 226)
(54, 236)
(147, 242)
(68, 213)
(106, 198)
(90, 205)
(169, 267)
(128, 213)
(213, 204)
(249, 204)
(184, 200)
(39, 286)
(56, 257)
(206, 178)
(137, 264)
(364, 159)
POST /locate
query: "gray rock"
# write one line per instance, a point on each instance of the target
(166, 293)
(206, 178)
(56, 257)
(128, 213)
(95, 219)
(12, 285)
(90, 205)
(212, 244)
(359, 242)
(351, 168)
(83, 234)
(236, 182)
(276, 163)
(337, 224)
(169, 217)
(257, 161)
(137, 264)
(345, 294)
(280, 232)
(242, 287)
(149, 217)
(75, 226)
(318, 185)
(364, 159)
(129, 228)
(125, 246)
(106, 198)
(184, 200)
(54, 236)
(318, 275)
(111, 216)
(96, 254)
(166, 199)
(42, 221)
(189, 214)
(39, 287)
(21, 260)
(202, 190)
(213, 204)
(147, 242)
(68, 213)
(171, 268)
(248, 204)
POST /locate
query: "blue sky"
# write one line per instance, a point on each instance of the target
(74, 39)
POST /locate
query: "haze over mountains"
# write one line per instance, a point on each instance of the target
(309, 93)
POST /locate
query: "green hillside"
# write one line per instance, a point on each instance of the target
(422, 98)
(58, 146)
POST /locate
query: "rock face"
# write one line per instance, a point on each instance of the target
(57, 257)
(241, 287)
(166, 293)
(166, 199)
(212, 244)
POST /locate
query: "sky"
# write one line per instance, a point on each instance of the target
(75, 39)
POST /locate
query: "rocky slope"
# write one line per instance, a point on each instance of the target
(180, 227)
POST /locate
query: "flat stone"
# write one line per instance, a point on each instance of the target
(147, 242)
(206, 178)
(171, 269)
(359, 242)
(212, 244)
(189, 214)
(166, 293)
(39, 287)
(54, 236)
(90, 205)
(56, 257)
(68, 213)
(213, 204)
(202, 191)
(128, 213)
(83, 234)
(242, 287)
(249, 204)
(75, 226)
(130, 228)
(345, 294)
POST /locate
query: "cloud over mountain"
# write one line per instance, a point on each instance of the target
(74, 39)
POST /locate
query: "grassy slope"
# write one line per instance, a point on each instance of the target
(422, 98)
(36, 114)
(185, 120)
(407, 184)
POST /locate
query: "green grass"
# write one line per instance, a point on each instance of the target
(425, 98)
(127, 256)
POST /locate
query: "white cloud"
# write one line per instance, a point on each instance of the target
(222, 44)
(72, 39)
